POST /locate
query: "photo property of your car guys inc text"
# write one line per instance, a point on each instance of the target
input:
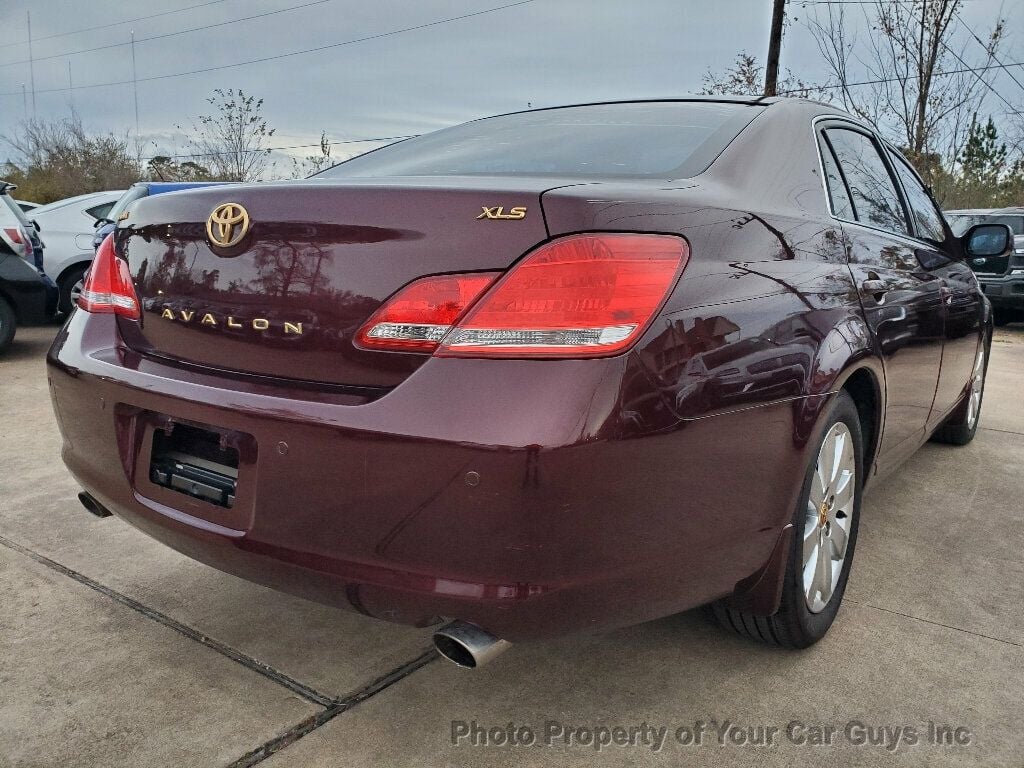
(511, 382)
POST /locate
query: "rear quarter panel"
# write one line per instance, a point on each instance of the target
(766, 315)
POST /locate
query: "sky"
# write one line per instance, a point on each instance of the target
(401, 81)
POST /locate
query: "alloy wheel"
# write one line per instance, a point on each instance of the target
(830, 508)
(977, 387)
(76, 291)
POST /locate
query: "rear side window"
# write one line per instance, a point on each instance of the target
(927, 220)
(838, 195)
(100, 211)
(876, 202)
(649, 140)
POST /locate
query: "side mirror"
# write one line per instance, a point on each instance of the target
(983, 240)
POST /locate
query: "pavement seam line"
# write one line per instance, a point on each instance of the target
(238, 657)
(936, 623)
(340, 706)
(1003, 431)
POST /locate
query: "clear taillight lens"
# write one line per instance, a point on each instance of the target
(588, 295)
(417, 317)
(108, 287)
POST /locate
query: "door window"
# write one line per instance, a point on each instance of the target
(876, 202)
(927, 219)
(838, 195)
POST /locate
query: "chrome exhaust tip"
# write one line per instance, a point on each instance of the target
(467, 645)
(93, 506)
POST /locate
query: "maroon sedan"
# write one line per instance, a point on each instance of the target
(559, 370)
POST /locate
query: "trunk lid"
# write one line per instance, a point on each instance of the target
(318, 259)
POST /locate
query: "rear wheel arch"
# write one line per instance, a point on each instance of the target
(865, 389)
(11, 303)
(66, 281)
(73, 267)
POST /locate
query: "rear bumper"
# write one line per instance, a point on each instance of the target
(519, 496)
(1005, 292)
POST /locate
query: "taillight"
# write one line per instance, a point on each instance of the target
(417, 317)
(15, 234)
(588, 295)
(108, 286)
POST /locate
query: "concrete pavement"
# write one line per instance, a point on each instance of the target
(115, 651)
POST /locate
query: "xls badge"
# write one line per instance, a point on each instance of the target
(498, 212)
(227, 225)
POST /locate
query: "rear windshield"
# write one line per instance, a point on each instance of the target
(12, 207)
(647, 140)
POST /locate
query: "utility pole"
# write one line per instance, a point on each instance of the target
(31, 63)
(771, 71)
(71, 89)
(135, 88)
(24, 100)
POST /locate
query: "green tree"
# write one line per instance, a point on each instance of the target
(165, 168)
(983, 160)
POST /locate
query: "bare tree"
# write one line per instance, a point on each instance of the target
(909, 75)
(232, 142)
(312, 164)
(54, 159)
(746, 78)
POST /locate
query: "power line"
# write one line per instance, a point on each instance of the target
(881, 80)
(973, 70)
(167, 34)
(116, 23)
(292, 53)
(293, 146)
(982, 44)
(980, 79)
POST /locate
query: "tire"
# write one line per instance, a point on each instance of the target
(68, 283)
(8, 325)
(961, 427)
(806, 613)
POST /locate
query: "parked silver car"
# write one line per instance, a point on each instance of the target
(69, 225)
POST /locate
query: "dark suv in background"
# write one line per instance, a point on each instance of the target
(1001, 277)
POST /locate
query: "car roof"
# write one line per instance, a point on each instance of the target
(157, 187)
(743, 100)
(1012, 211)
(57, 204)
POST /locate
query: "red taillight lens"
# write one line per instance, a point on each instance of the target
(15, 234)
(586, 295)
(417, 317)
(108, 287)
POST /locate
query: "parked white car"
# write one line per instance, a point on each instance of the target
(68, 226)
